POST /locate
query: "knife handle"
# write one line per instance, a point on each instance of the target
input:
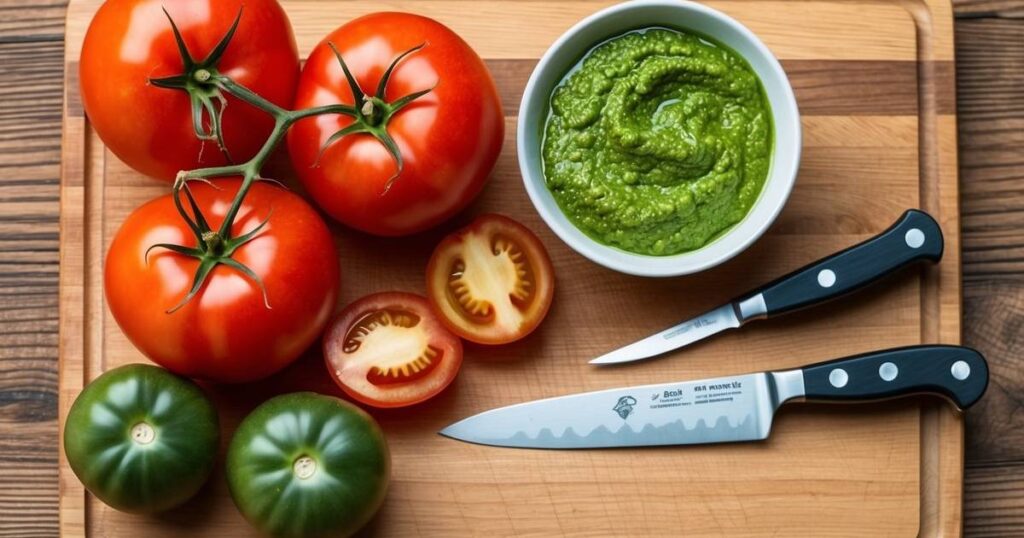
(914, 237)
(957, 373)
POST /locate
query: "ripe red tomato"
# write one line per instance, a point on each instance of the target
(151, 128)
(449, 138)
(225, 333)
(389, 350)
(492, 281)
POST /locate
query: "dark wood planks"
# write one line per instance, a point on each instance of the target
(32, 20)
(990, 87)
(31, 67)
(994, 501)
(991, 102)
(990, 76)
(965, 9)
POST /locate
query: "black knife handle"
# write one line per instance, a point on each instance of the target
(958, 373)
(914, 237)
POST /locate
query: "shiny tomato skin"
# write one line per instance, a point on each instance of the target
(225, 333)
(306, 465)
(523, 282)
(141, 439)
(357, 376)
(150, 128)
(450, 138)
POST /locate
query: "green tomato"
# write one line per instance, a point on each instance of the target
(305, 465)
(141, 439)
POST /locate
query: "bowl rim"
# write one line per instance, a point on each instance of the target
(783, 170)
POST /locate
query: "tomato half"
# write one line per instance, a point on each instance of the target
(141, 439)
(225, 333)
(449, 138)
(151, 128)
(492, 281)
(306, 465)
(389, 350)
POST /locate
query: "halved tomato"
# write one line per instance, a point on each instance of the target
(492, 281)
(389, 350)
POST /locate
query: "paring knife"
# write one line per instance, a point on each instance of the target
(725, 409)
(914, 237)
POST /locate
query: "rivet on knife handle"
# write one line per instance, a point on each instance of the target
(914, 237)
(958, 373)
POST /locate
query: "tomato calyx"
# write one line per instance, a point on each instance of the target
(212, 248)
(199, 80)
(304, 467)
(371, 113)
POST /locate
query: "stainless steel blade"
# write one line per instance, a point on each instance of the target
(687, 332)
(720, 410)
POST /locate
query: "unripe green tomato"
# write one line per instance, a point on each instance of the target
(308, 465)
(141, 439)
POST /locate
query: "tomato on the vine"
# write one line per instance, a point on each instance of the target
(230, 330)
(389, 350)
(153, 126)
(492, 281)
(423, 136)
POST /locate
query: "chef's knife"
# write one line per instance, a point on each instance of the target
(725, 409)
(914, 237)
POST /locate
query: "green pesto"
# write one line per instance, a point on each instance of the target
(658, 141)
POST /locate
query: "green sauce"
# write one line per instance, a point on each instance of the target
(658, 141)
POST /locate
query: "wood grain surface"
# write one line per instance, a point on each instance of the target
(866, 158)
(990, 72)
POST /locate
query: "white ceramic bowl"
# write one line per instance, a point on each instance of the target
(682, 15)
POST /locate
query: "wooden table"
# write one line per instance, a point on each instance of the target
(990, 79)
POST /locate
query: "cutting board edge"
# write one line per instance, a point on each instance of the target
(941, 427)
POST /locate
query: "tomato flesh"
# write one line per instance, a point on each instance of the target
(492, 281)
(389, 350)
(388, 340)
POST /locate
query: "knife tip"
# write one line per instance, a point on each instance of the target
(455, 431)
(610, 358)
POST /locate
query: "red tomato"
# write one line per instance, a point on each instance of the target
(150, 128)
(449, 138)
(389, 350)
(225, 333)
(492, 281)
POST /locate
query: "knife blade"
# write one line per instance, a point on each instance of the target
(724, 409)
(913, 238)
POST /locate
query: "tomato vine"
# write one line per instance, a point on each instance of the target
(206, 88)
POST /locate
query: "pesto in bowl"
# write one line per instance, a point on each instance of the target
(658, 141)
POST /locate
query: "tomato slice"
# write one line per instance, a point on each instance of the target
(390, 350)
(492, 281)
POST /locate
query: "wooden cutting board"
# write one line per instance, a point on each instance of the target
(874, 81)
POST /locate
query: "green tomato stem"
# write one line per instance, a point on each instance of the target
(143, 434)
(250, 170)
(205, 86)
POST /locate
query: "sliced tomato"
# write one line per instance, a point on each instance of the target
(390, 350)
(492, 281)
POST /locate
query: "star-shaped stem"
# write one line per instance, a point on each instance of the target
(371, 113)
(199, 80)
